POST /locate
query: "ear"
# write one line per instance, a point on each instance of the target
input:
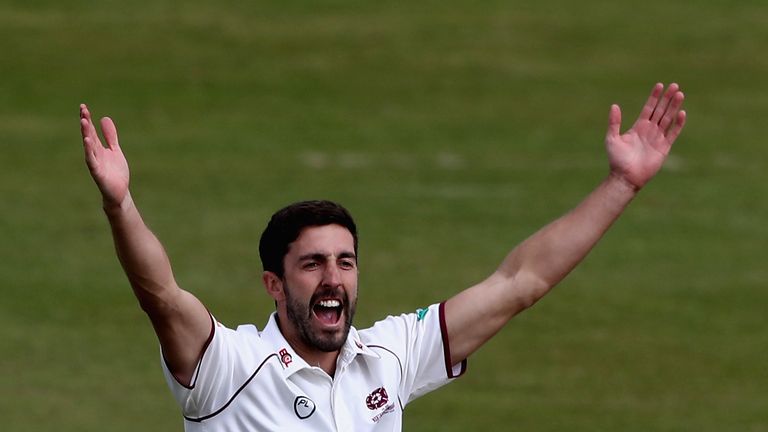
(273, 285)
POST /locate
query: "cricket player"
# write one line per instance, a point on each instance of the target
(308, 368)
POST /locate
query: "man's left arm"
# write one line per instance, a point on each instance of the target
(536, 265)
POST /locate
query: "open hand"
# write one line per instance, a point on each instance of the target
(637, 155)
(107, 165)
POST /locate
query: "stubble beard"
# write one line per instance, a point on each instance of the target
(300, 315)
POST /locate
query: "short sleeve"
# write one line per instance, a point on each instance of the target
(226, 363)
(420, 341)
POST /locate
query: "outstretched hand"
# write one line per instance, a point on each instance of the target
(107, 165)
(637, 155)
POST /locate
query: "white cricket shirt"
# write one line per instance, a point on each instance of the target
(253, 381)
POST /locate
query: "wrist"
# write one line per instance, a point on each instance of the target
(116, 208)
(623, 182)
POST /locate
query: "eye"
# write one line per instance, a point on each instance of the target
(310, 265)
(347, 264)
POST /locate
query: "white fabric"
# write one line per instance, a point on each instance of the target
(253, 381)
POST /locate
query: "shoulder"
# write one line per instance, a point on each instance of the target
(397, 329)
(244, 333)
(243, 344)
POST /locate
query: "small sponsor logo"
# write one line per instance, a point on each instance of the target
(303, 407)
(377, 399)
(285, 357)
(390, 408)
(420, 313)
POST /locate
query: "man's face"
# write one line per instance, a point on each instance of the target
(320, 286)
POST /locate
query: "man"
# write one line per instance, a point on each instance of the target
(308, 369)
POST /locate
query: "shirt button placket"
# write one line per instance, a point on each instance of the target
(341, 415)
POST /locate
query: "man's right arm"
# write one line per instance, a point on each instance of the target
(181, 322)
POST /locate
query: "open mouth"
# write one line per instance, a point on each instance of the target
(328, 311)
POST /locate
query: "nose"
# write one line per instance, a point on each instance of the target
(332, 275)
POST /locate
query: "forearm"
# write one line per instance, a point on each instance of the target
(141, 254)
(180, 320)
(545, 258)
(533, 268)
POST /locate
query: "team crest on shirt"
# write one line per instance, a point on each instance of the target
(420, 313)
(285, 357)
(377, 399)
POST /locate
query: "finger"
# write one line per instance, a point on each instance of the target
(672, 110)
(91, 142)
(650, 104)
(90, 153)
(90, 148)
(677, 127)
(91, 145)
(85, 117)
(84, 112)
(110, 133)
(84, 127)
(661, 108)
(87, 129)
(614, 122)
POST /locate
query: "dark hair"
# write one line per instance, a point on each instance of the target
(286, 225)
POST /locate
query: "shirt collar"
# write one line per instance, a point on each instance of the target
(292, 362)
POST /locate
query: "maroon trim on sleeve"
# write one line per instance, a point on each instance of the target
(447, 346)
(192, 383)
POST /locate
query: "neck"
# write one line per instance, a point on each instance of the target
(324, 360)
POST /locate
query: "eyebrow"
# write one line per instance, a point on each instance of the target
(318, 256)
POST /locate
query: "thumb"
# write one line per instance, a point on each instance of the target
(110, 133)
(614, 122)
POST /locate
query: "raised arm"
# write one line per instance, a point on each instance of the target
(181, 322)
(535, 266)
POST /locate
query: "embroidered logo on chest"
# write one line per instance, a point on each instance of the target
(377, 399)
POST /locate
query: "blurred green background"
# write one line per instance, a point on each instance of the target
(451, 130)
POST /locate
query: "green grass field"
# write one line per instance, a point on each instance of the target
(452, 130)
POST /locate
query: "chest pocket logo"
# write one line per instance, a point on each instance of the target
(303, 407)
(377, 399)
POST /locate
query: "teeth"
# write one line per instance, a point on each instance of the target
(329, 303)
